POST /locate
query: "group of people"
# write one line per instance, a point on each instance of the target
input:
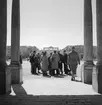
(53, 64)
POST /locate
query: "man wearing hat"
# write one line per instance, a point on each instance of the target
(73, 61)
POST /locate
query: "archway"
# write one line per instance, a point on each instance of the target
(5, 73)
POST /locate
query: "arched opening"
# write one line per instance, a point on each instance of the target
(51, 20)
(5, 87)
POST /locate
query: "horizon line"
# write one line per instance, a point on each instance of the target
(49, 46)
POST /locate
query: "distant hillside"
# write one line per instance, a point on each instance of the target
(80, 50)
(25, 50)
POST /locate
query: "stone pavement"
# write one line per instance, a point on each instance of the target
(39, 85)
(38, 90)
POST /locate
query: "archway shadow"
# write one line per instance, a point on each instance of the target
(19, 90)
(22, 98)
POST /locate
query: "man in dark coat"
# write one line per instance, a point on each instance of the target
(60, 62)
(21, 59)
(38, 62)
(73, 61)
(65, 56)
(49, 66)
(33, 61)
(54, 63)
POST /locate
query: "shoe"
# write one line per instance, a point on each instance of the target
(35, 73)
(72, 79)
(39, 72)
(46, 75)
(69, 73)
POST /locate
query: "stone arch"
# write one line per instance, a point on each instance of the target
(16, 77)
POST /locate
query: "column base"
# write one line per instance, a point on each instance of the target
(16, 74)
(5, 81)
(97, 78)
(87, 72)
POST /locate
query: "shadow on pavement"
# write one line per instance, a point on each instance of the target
(22, 98)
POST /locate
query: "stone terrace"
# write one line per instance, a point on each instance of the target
(39, 90)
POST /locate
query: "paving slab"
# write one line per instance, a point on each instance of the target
(39, 90)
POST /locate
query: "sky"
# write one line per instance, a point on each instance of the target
(45, 23)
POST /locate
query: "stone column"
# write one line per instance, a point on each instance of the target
(88, 43)
(97, 73)
(16, 71)
(5, 80)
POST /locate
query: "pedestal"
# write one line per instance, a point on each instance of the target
(97, 78)
(5, 81)
(16, 74)
(87, 73)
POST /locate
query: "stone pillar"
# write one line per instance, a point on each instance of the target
(97, 72)
(5, 76)
(16, 72)
(88, 43)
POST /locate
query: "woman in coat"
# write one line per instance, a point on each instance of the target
(45, 64)
(54, 66)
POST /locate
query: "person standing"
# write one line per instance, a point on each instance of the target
(20, 59)
(73, 61)
(33, 61)
(60, 62)
(49, 66)
(65, 56)
(45, 63)
(55, 59)
(38, 62)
